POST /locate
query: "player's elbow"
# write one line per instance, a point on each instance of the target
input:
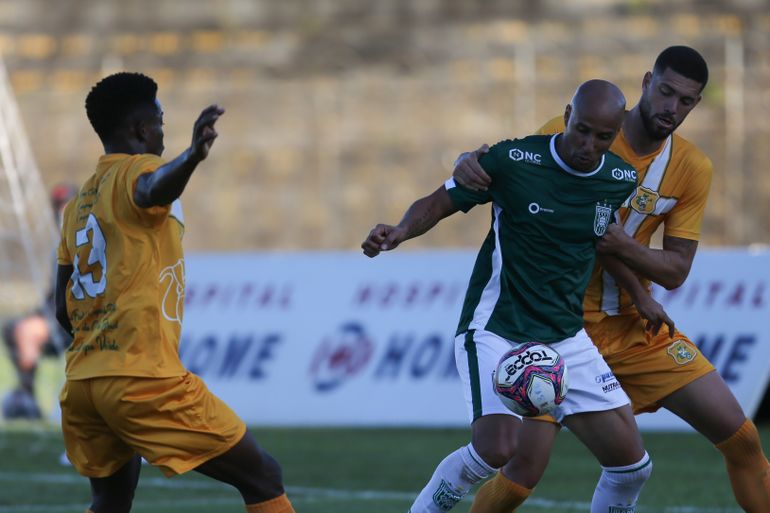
(674, 281)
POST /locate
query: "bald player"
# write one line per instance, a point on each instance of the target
(655, 371)
(553, 197)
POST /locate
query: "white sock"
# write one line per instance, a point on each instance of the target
(452, 479)
(618, 488)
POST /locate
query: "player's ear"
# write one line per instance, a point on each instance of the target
(140, 130)
(567, 113)
(646, 80)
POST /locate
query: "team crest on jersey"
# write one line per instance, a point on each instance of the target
(173, 299)
(682, 352)
(446, 497)
(602, 218)
(644, 200)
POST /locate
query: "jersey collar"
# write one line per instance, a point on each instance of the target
(564, 165)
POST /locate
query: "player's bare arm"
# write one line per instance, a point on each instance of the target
(668, 267)
(63, 273)
(167, 183)
(469, 173)
(648, 308)
(418, 219)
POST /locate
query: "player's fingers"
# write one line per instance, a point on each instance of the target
(390, 242)
(671, 327)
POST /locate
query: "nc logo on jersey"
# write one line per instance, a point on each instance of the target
(602, 219)
(528, 157)
(644, 200)
(682, 352)
(629, 175)
(173, 299)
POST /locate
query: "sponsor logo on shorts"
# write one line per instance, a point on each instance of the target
(603, 378)
(621, 509)
(446, 497)
(682, 352)
(610, 387)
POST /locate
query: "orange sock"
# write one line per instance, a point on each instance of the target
(279, 504)
(748, 468)
(499, 495)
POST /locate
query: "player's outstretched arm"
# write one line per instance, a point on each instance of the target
(469, 173)
(667, 267)
(418, 219)
(63, 274)
(167, 183)
(648, 308)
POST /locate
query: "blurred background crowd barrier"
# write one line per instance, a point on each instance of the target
(342, 112)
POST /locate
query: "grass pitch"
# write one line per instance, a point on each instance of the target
(362, 470)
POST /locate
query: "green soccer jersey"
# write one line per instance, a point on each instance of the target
(534, 266)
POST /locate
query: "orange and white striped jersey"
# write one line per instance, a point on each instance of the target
(672, 188)
(125, 297)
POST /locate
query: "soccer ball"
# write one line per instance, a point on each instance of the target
(531, 379)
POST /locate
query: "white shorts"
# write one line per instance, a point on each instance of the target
(592, 386)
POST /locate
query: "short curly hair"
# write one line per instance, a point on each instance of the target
(114, 98)
(683, 60)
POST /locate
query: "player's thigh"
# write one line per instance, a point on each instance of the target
(92, 447)
(695, 404)
(477, 354)
(649, 367)
(592, 385)
(175, 423)
(612, 436)
(534, 444)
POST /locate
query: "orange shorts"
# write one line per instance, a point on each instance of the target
(174, 423)
(649, 367)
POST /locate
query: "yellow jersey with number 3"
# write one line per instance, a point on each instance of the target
(126, 293)
(672, 188)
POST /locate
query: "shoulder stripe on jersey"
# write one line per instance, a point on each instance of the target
(652, 180)
(491, 292)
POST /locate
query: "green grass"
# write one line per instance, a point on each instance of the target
(347, 470)
(357, 470)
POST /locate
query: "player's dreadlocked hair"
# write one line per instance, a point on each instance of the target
(683, 60)
(115, 97)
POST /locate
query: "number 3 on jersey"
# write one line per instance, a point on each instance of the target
(83, 284)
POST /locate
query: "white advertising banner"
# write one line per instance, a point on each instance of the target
(340, 339)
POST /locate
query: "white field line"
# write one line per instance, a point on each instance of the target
(296, 493)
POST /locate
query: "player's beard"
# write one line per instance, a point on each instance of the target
(648, 120)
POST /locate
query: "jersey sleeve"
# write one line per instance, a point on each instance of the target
(63, 255)
(142, 164)
(464, 198)
(685, 218)
(553, 126)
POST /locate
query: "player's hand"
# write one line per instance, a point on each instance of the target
(469, 173)
(656, 317)
(614, 240)
(383, 237)
(204, 132)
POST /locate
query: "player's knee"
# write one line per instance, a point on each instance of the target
(496, 455)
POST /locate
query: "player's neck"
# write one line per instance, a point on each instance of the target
(127, 147)
(636, 134)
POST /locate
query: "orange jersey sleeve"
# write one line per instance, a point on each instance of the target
(686, 217)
